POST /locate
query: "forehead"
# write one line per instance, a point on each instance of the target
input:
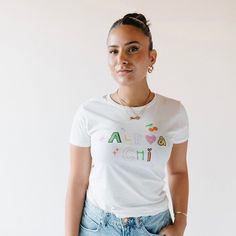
(126, 33)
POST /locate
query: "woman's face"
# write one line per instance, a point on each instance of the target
(128, 54)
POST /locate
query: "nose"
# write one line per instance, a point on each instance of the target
(122, 59)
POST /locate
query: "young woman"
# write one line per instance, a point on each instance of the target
(121, 144)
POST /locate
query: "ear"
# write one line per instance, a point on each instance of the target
(153, 56)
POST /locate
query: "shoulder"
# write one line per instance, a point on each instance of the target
(171, 107)
(92, 103)
(168, 102)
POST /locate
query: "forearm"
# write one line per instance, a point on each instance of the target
(75, 197)
(179, 189)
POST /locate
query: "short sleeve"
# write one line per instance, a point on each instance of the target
(79, 130)
(181, 133)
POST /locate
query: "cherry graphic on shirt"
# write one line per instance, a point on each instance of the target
(153, 129)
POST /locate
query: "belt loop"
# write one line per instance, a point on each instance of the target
(121, 223)
(106, 218)
(140, 221)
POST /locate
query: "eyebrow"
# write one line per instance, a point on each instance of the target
(131, 42)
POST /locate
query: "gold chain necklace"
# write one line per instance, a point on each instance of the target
(137, 115)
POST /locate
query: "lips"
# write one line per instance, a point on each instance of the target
(123, 71)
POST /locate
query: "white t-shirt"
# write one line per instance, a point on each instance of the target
(129, 156)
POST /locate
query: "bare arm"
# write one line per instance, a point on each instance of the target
(80, 160)
(179, 188)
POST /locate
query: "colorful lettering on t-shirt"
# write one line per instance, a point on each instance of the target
(161, 141)
(134, 153)
(149, 154)
(115, 136)
(115, 151)
(137, 139)
(140, 155)
(128, 153)
(127, 138)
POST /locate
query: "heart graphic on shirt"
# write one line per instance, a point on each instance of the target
(153, 129)
(151, 138)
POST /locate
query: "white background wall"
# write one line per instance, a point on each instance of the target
(53, 57)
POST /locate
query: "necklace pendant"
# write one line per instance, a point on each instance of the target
(135, 117)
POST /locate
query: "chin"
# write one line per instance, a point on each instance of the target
(124, 80)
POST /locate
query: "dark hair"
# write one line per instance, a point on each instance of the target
(137, 20)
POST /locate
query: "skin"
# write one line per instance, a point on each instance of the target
(133, 88)
(128, 51)
(179, 188)
(80, 167)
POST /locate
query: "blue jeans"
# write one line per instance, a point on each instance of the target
(95, 221)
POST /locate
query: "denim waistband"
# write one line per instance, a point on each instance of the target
(99, 215)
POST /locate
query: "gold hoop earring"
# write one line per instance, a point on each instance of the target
(150, 69)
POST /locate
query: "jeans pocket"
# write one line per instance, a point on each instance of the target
(166, 221)
(88, 223)
(149, 231)
(151, 225)
(154, 224)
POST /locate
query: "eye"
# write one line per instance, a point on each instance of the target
(133, 49)
(113, 51)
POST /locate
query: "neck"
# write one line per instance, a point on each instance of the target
(133, 97)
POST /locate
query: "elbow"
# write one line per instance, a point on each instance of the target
(180, 173)
(81, 184)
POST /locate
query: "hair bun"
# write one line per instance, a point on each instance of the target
(136, 20)
(137, 16)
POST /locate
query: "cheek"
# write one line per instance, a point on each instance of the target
(142, 64)
(111, 63)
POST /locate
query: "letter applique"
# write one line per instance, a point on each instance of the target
(149, 154)
(140, 155)
(115, 151)
(127, 138)
(128, 153)
(116, 136)
(137, 139)
(161, 141)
